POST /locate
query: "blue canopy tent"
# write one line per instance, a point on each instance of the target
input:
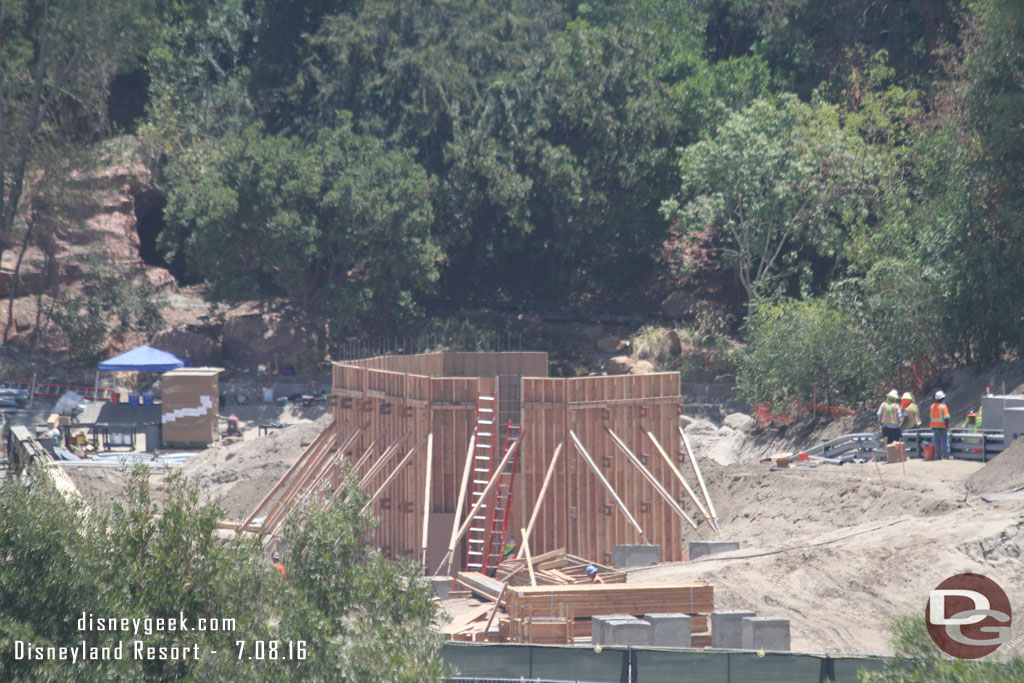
(140, 359)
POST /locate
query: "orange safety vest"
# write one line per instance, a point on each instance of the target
(280, 567)
(940, 416)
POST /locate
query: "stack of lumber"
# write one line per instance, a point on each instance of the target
(584, 601)
(480, 585)
(555, 568)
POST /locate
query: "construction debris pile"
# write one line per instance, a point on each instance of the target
(553, 569)
(562, 608)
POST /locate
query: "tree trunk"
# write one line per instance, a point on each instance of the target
(15, 279)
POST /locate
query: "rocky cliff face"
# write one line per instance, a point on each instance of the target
(92, 213)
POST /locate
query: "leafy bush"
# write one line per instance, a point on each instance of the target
(362, 617)
(805, 350)
(918, 660)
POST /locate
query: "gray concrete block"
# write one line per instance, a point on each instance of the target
(631, 631)
(766, 633)
(702, 548)
(597, 624)
(727, 628)
(624, 556)
(670, 629)
(442, 586)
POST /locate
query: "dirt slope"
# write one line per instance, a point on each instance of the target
(840, 556)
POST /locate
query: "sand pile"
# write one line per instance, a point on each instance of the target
(839, 556)
(239, 474)
(1004, 473)
(107, 484)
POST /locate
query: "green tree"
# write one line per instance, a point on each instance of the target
(142, 558)
(107, 304)
(340, 225)
(780, 184)
(556, 178)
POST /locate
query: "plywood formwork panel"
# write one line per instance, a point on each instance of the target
(578, 514)
(581, 514)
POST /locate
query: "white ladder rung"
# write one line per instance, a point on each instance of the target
(486, 398)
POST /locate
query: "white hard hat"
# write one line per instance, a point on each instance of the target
(895, 395)
(939, 395)
(906, 395)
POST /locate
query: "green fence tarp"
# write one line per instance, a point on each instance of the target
(648, 665)
(488, 660)
(611, 665)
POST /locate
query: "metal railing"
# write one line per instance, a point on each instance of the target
(981, 445)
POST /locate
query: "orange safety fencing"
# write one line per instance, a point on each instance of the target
(52, 390)
(794, 410)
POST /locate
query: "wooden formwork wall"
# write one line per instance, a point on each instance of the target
(394, 406)
(578, 513)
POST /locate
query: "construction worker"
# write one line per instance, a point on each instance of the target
(940, 425)
(971, 425)
(508, 549)
(890, 416)
(275, 560)
(592, 573)
(911, 414)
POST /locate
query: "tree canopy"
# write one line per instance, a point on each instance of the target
(360, 159)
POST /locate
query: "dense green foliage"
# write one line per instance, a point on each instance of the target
(358, 158)
(361, 617)
(918, 660)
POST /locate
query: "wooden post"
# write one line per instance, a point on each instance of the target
(597, 472)
(394, 473)
(700, 477)
(491, 483)
(291, 470)
(466, 469)
(540, 498)
(649, 476)
(426, 497)
(497, 601)
(529, 559)
(682, 481)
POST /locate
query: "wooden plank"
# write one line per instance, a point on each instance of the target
(700, 477)
(540, 500)
(679, 476)
(479, 584)
(583, 452)
(588, 600)
(458, 506)
(426, 498)
(494, 610)
(391, 476)
(529, 560)
(465, 619)
(651, 478)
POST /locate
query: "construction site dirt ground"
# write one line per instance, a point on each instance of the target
(840, 556)
(827, 547)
